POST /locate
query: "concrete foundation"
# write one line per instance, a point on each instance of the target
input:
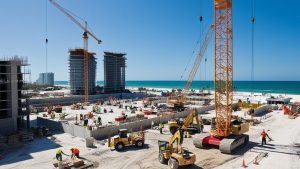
(105, 132)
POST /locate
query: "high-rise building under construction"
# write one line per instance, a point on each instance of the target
(14, 107)
(114, 72)
(76, 68)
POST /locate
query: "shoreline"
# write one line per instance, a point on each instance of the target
(257, 96)
(265, 87)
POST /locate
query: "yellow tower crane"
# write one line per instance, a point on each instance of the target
(86, 32)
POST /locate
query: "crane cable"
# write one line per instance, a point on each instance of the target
(46, 40)
(194, 49)
(252, 49)
(197, 43)
(202, 32)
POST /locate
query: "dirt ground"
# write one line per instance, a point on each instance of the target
(147, 158)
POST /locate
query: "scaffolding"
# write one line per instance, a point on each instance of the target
(13, 95)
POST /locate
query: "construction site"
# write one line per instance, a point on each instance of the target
(117, 127)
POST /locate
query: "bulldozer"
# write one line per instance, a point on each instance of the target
(124, 139)
(175, 156)
(187, 124)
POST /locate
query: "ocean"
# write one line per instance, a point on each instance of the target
(283, 87)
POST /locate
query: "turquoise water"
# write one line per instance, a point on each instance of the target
(284, 87)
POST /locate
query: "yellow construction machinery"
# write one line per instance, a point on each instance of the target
(86, 32)
(125, 139)
(244, 104)
(188, 123)
(176, 155)
(226, 133)
(177, 100)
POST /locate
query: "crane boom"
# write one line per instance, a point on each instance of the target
(83, 27)
(198, 59)
(179, 101)
(86, 32)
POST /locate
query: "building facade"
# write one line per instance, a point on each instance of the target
(46, 79)
(14, 108)
(76, 68)
(114, 72)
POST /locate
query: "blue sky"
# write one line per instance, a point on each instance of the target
(158, 36)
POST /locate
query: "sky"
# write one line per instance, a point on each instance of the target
(160, 37)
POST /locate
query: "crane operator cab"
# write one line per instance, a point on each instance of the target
(123, 133)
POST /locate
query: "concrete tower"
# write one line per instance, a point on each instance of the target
(76, 68)
(114, 72)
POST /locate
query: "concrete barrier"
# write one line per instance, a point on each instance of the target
(63, 126)
(104, 133)
(43, 102)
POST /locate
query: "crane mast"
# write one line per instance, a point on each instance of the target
(223, 66)
(86, 32)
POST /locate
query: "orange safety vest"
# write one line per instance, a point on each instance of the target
(75, 151)
(264, 134)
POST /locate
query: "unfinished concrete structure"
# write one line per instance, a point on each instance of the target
(76, 68)
(114, 72)
(13, 100)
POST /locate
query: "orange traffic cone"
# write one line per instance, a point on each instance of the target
(255, 161)
(244, 165)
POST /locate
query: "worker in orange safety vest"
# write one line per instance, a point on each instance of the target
(75, 152)
(264, 135)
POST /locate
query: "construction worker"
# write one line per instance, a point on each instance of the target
(161, 126)
(59, 153)
(99, 120)
(75, 152)
(264, 135)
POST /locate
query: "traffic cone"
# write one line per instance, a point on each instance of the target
(244, 165)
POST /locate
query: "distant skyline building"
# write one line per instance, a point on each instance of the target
(114, 72)
(13, 100)
(46, 79)
(76, 68)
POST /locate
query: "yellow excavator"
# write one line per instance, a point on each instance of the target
(175, 156)
(187, 124)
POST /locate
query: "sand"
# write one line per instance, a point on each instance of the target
(283, 152)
